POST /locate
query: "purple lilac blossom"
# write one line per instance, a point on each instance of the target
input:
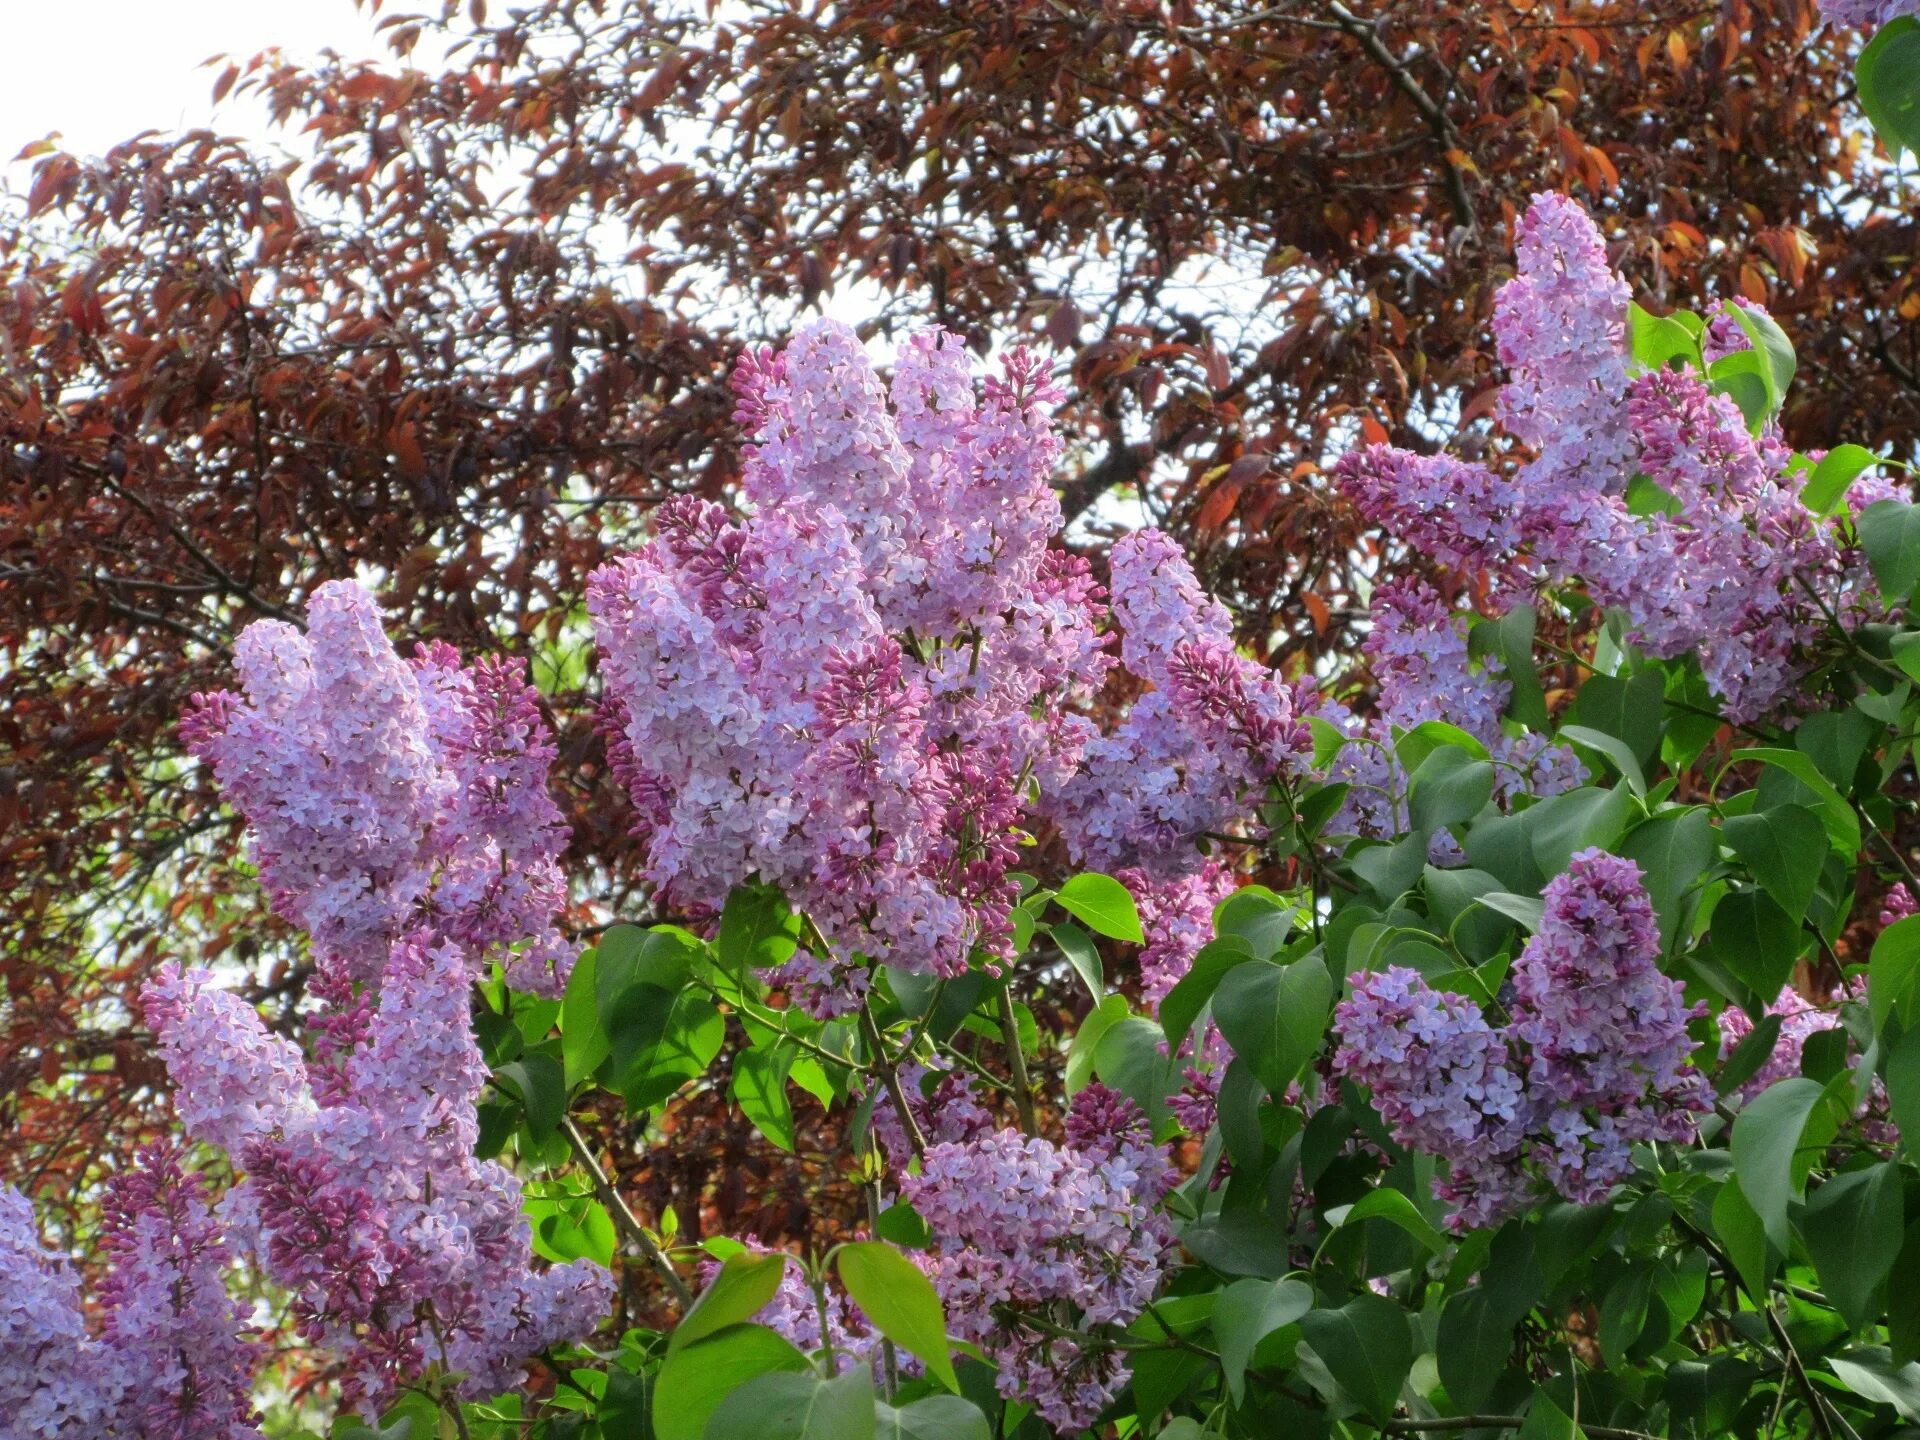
(368, 1206)
(1595, 1057)
(1866, 14)
(1721, 568)
(1021, 1225)
(1800, 1020)
(794, 1313)
(379, 793)
(184, 1343)
(845, 692)
(56, 1381)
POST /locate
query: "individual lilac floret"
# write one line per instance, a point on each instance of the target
(184, 1343)
(1445, 1082)
(1022, 1227)
(1898, 905)
(1608, 1050)
(379, 793)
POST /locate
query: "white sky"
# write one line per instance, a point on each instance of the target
(100, 71)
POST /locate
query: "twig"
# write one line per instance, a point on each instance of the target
(890, 1077)
(1438, 121)
(628, 1222)
(1017, 1061)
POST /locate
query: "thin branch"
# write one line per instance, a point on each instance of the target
(1445, 135)
(623, 1217)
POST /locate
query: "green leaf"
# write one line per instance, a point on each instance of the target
(1366, 1347)
(1623, 1313)
(1615, 749)
(628, 957)
(740, 1289)
(1785, 846)
(1654, 340)
(1394, 1208)
(758, 930)
(1631, 708)
(1903, 1088)
(1755, 940)
(1838, 469)
(1247, 1312)
(1075, 944)
(1750, 1054)
(1568, 823)
(1893, 974)
(1745, 378)
(1511, 641)
(1256, 916)
(937, 1417)
(1134, 1059)
(1275, 1016)
(1240, 1242)
(1673, 850)
(1871, 1374)
(1836, 813)
(804, 1406)
(541, 1087)
(1771, 345)
(1391, 870)
(1853, 1231)
(1183, 1003)
(760, 1090)
(661, 1041)
(1547, 1421)
(1104, 904)
(1887, 75)
(1449, 788)
(1086, 1042)
(696, 1377)
(900, 1301)
(1835, 740)
(584, 1042)
(1890, 532)
(1766, 1141)
(1743, 1235)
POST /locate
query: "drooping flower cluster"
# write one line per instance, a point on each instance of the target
(1714, 554)
(1176, 916)
(1593, 1058)
(855, 691)
(174, 1358)
(1027, 1232)
(381, 794)
(363, 1197)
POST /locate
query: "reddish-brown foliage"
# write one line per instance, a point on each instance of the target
(466, 347)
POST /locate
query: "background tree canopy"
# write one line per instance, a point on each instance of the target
(465, 348)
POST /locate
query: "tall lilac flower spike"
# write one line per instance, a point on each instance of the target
(380, 794)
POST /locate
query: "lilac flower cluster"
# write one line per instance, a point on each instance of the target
(1176, 916)
(1800, 1020)
(1423, 672)
(362, 1196)
(1594, 1057)
(1721, 566)
(1026, 1232)
(1867, 14)
(795, 1313)
(857, 690)
(174, 1358)
(381, 795)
